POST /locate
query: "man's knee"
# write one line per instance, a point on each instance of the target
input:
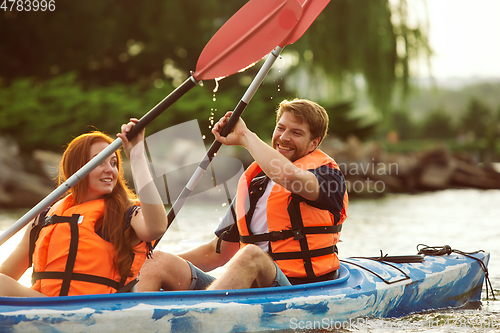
(252, 255)
(159, 264)
(252, 252)
(165, 270)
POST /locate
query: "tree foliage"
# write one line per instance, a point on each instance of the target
(127, 41)
(478, 118)
(98, 62)
(48, 114)
(438, 124)
(107, 41)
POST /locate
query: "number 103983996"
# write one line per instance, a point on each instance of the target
(27, 5)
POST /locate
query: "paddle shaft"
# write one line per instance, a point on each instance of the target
(93, 163)
(214, 148)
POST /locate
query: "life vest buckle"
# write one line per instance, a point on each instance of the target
(47, 221)
(297, 235)
(276, 236)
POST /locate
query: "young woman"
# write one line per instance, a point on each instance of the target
(95, 239)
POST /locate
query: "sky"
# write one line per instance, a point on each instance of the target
(465, 37)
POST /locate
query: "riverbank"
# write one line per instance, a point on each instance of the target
(369, 170)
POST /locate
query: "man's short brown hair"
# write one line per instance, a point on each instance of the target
(306, 111)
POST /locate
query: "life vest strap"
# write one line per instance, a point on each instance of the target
(78, 277)
(274, 236)
(73, 250)
(35, 232)
(301, 255)
(128, 287)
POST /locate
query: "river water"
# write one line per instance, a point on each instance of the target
(467, 220)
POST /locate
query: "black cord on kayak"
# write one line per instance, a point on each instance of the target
(405, 259)
(446, 249)
(434, 250)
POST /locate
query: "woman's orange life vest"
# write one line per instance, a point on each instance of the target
(70, 258)
(302, 238)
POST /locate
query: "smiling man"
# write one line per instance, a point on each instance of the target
(289, 209)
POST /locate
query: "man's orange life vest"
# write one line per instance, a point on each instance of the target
(70, 258)
(302, 238)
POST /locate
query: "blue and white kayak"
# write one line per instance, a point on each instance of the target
(365, 288)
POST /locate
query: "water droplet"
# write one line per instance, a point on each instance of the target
(204, 136)
(216, 85)
(210, 126)
(224, 204)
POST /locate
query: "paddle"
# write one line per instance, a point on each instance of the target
(310, 10)
(244, 39)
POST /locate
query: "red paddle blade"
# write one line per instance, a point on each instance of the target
(249, 35)
(310, 11)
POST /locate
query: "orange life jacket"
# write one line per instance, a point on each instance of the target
(70, 258)
(302, 238)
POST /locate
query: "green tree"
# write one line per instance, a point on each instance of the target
(109, 41)
(404, 125)
(368, 38)
(99, 62)
(343, 123)
(478, 118)
(438, 124)
(132, 41)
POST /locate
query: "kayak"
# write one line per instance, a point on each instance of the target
(366, 288)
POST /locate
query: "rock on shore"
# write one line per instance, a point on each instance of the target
(18, 187)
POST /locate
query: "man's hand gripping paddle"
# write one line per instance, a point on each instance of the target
(244, 39)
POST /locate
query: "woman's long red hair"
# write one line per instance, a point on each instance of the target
(117, 203)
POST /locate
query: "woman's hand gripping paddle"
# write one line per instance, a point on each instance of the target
(244, 39)
(310, 10)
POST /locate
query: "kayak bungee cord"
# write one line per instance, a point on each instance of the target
(424, 251)
(395, 259)
(446, 249)
(406, 276)
(386, 259)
